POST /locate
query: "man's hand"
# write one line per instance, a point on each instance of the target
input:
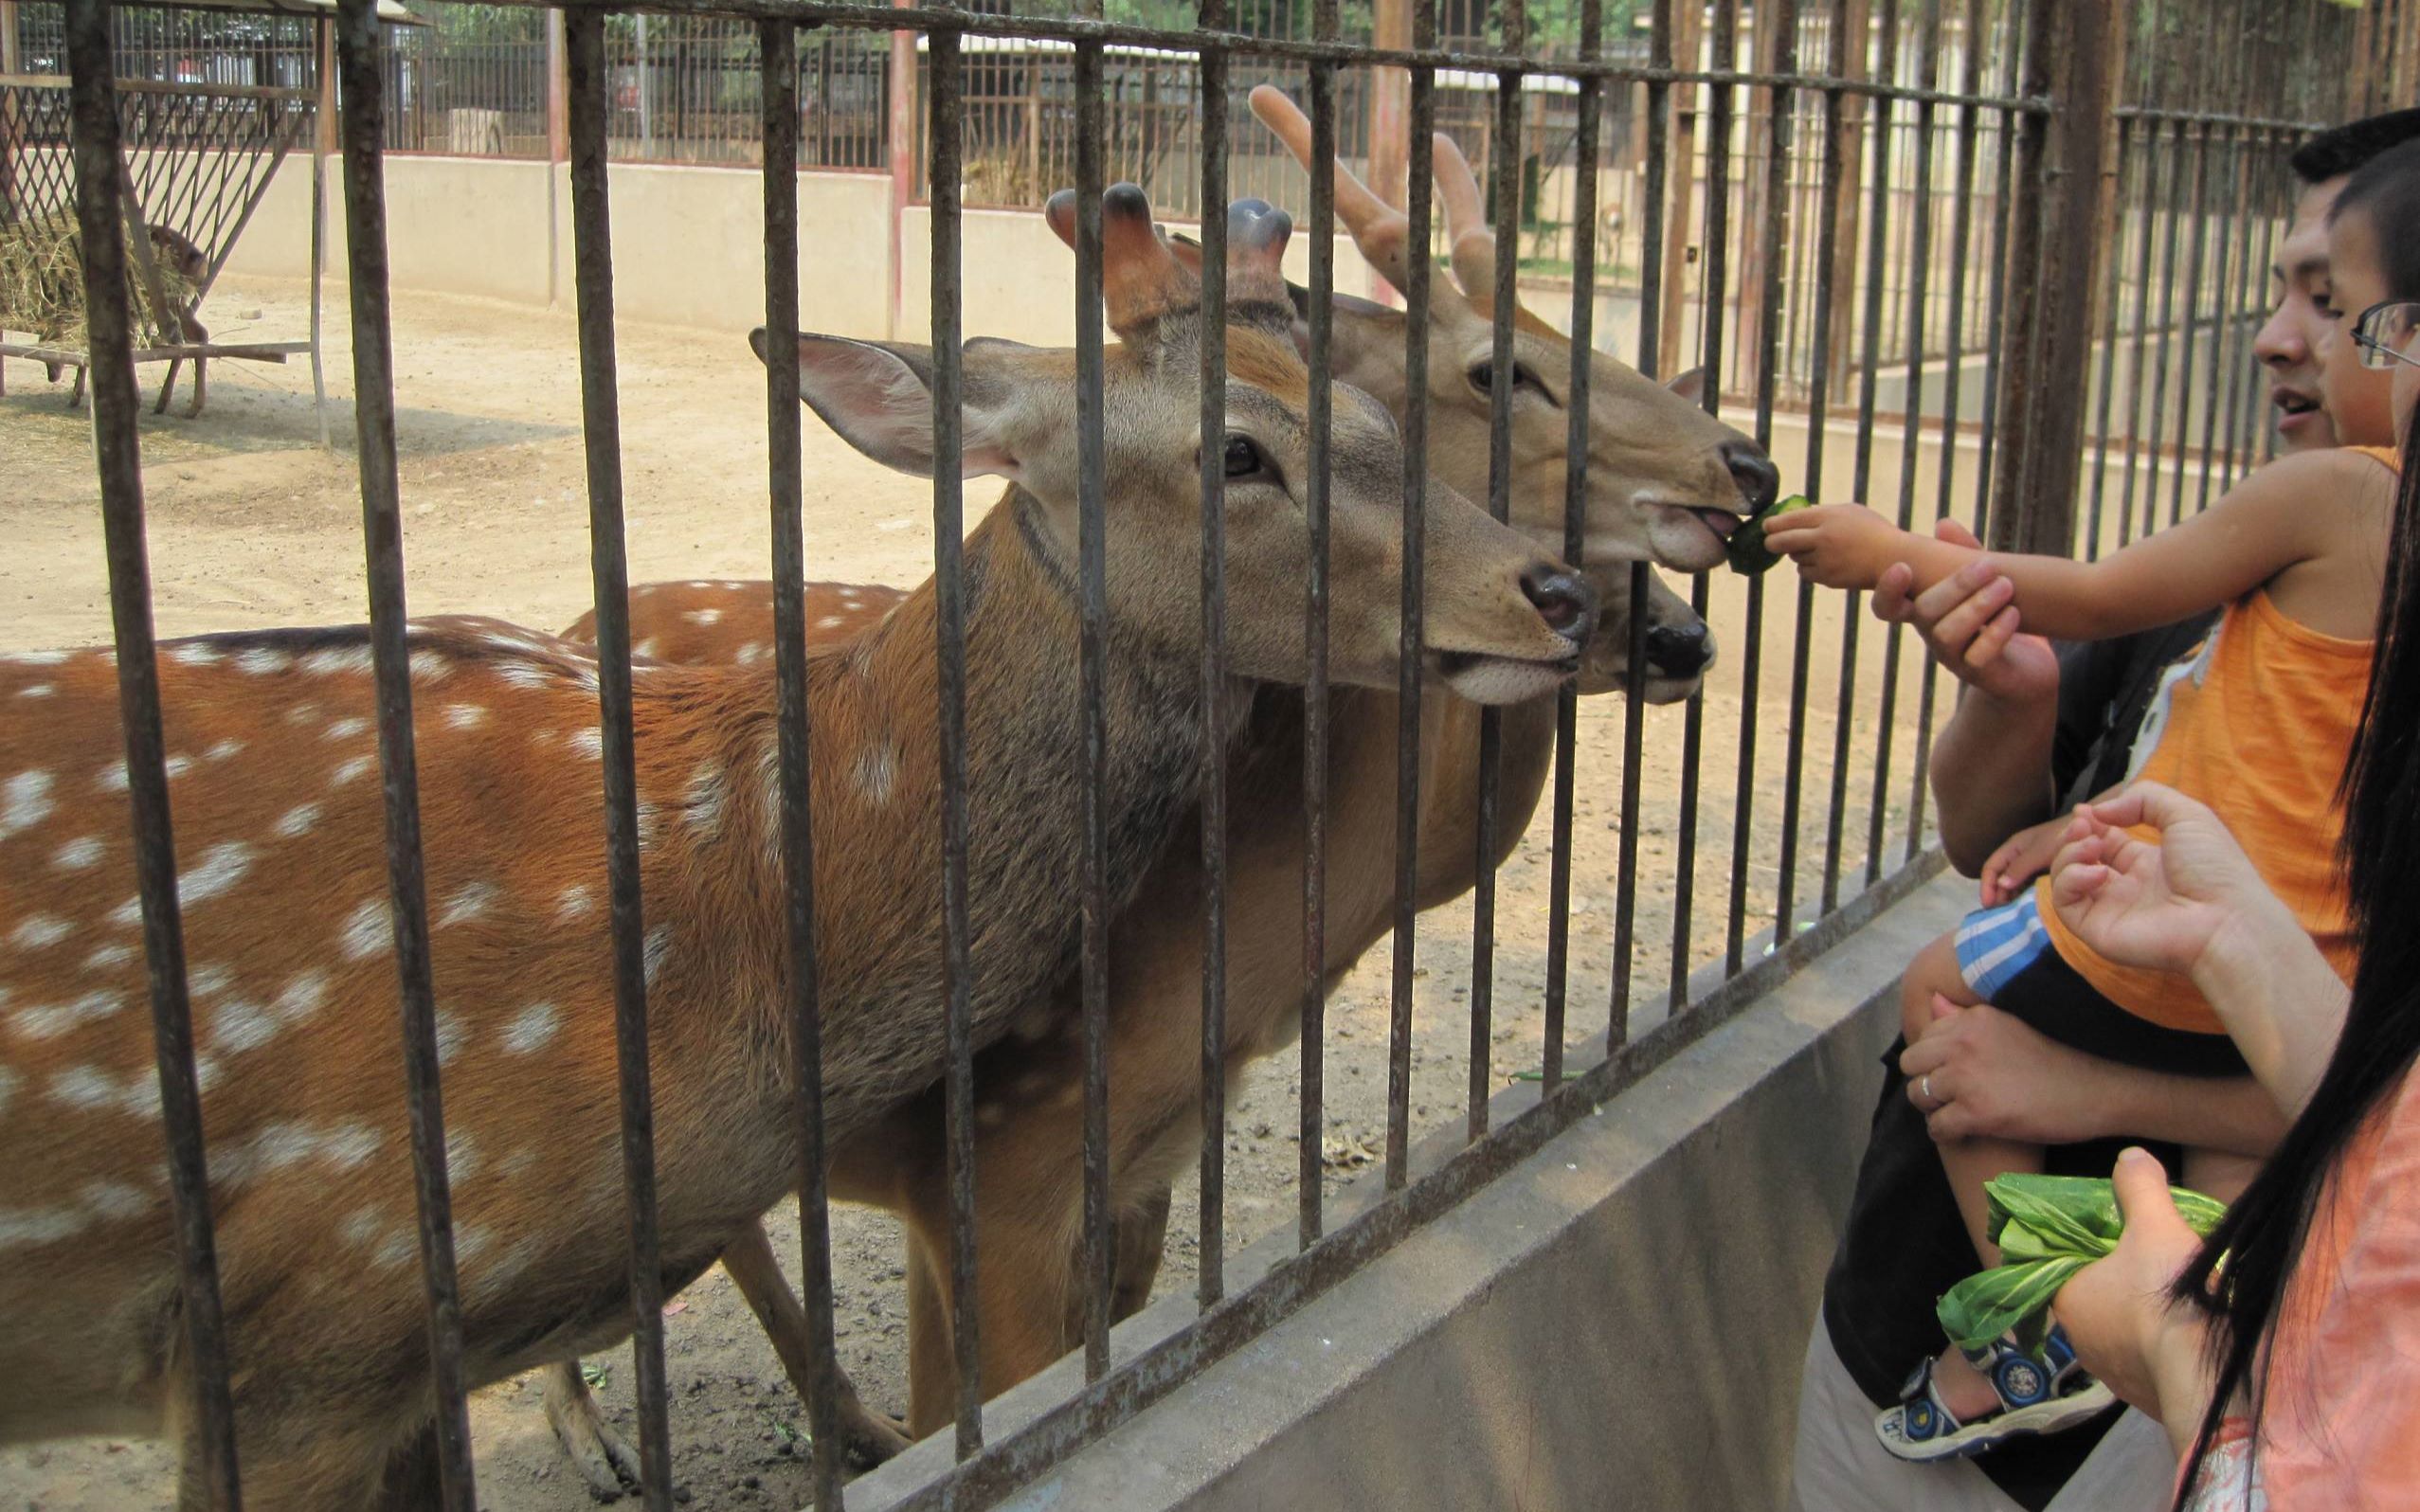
(1979, 1072)
(1838, 546)
(1970, 623)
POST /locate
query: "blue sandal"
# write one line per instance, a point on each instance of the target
(2039, 1393)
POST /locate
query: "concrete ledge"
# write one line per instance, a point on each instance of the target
(1616, 1324)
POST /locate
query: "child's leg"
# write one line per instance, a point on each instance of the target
(1969, 1162)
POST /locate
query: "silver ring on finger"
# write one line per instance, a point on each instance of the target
(1925, 1085)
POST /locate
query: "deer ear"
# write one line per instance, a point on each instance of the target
(879, 398)
(1689, 386)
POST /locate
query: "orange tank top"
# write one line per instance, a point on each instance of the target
(2257, 724)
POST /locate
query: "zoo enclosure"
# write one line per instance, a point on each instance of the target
(2074, 171)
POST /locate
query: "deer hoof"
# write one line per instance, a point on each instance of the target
(605, 1461)
(871, 1437)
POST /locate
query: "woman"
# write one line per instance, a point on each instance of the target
(2289, 1377)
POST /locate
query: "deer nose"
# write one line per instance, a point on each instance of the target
(1754, 472)
(1679, 651)
(1563, 600)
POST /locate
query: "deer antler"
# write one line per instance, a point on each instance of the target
(1141, 279)
(1381, 231)
(1466, 223)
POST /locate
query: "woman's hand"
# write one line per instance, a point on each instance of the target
(1839, 545)
(2157, 906)
(2117, 1314)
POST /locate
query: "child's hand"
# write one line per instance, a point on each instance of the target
(1839, 545)
(2025, 855)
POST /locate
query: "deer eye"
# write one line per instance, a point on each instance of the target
(1247, 462)
(1483, 379)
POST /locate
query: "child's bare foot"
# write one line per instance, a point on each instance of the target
(1962, 1388)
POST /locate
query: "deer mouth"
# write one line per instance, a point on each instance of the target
(1485, 677)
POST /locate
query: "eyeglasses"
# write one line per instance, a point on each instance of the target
(2384, 330)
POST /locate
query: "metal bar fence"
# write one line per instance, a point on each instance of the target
(1808, 146)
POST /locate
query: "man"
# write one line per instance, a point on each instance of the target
(2037, 729)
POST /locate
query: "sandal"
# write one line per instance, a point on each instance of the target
(2039, 1393)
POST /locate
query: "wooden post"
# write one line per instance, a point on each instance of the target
(2054, 258)
(1746, 361)
(1688, 30)
(902, 150)
(1852, 34)
(9, 38)
(1390, 107)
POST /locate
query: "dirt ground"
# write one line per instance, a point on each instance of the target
(252, 523)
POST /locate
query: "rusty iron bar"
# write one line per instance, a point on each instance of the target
(1210, 1272)
(1320, 320)
(600, 429)
(2115, 291)
(98, 152)
(359, 51)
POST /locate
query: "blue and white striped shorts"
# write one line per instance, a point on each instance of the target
(1995, 945)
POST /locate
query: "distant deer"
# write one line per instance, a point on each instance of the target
(1666, 482)
(281, 877)
(192, 264)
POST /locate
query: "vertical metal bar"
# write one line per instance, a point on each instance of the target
(601, 425)
(1651, 252)
(945, 162)
(1877, 276)
(2216, 385)
(1782, 49)
(1313, 1127)
(2003, 228)
(1093, 588)
(2167, 334)
(117, 450)
(2109, 346)
(1416, 483)
(1920, 256)
(1211, 1271)
(1505, 180)
(2187, 373)
(1819, 405)
(1587, 153)
(2243, 386)
(777, 47)
(1712, 290)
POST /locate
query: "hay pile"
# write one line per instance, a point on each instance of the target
(42, 286)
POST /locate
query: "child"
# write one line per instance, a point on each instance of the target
(2256, 724)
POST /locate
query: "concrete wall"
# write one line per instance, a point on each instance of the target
(1615, 1323)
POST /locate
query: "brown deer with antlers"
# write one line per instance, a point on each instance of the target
(282, 879)
(1666, 483)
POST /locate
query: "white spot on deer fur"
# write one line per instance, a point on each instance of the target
(349, 1146)
(221, 867)
(302, 998)
(24, 1227)
(115, 1199)
(589, 742)
(351, 769)
(112, 778)
(36, 690)
(177, 765)
(703, 616)
(531, 1028)
(109, 957)
(208, 980)
(542, 737)
(462, 716)
(451, 1033)
(830, 621)
(462, 1154)
(303, 713)
(698, 583)
(240, 1025)
(50, 1020)
(222, 750)
(366, 931)
(751, 653)
(524, 675)
(344, 728)
(473, 900)
(576, 901)
(262, 662)
(878, 770)
(360, 1226)
(398, 1249)
(645, 648)
(298, 819)
(470, 1240)
(430, 666)
(195, 654)
(26, 802)
(77, 854)
(331, 660)
(41, 930)
(709, 789)
(206, 1072)
(83, 1086)
(659, 951)
(36, 658)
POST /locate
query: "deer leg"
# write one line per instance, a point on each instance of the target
(76, 395)
(1141, 1238)
(201, 387)
(168, 385)
(604, 1458)
(933, 1364)
(866, 1436)
(412, 1481)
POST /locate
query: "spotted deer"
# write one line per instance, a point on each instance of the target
(1666, 483)
(279, 835)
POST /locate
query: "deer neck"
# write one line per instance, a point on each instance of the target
(1025, 754)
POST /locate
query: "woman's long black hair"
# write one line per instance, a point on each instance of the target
(2262, 1234)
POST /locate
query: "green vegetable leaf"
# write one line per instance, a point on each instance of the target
(2047, 1227)
(1745, 550)
(1981, 1307)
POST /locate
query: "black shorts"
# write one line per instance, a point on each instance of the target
(2006, 956)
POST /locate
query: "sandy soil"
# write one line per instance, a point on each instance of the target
(252, 523)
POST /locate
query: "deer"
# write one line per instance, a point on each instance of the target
(281, 880)
(1666, 483)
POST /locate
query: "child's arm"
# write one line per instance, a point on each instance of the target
(2022, 858)
(2290, 511)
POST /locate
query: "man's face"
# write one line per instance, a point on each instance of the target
(2288, 345)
